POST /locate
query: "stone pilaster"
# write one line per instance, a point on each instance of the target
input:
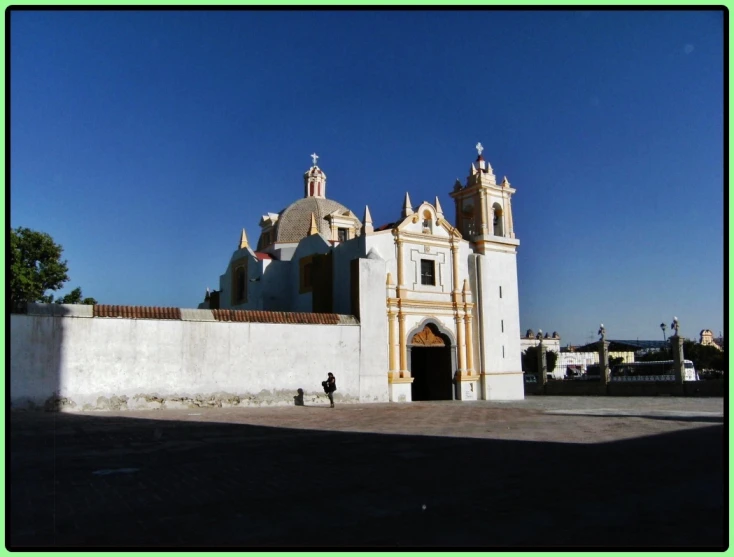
(403, 345)
(469, 345)
(460, 345)
(483, 214)
(456, 293)
(393, 344)
(399, 257)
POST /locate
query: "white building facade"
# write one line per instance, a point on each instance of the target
(437, 302)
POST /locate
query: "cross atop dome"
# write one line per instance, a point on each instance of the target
(314, 157)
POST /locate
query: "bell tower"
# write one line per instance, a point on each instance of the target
(483, 207)
(314, 181)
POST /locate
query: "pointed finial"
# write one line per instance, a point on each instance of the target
(367, 227)
(314, 229)
(505, 182)
(243, 240)
(479, 149)
(314, 157)
(389, 281)
(407, 206)
(439, 210)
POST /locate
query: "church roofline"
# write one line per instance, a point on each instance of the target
(388, 226)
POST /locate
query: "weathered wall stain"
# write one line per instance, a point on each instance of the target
(61, 363)
(154, 401)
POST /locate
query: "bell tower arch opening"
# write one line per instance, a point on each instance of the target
(497, 220)
(432, 362)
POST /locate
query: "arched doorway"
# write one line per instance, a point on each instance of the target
(431, 363)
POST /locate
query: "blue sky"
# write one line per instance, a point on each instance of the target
(144, 141)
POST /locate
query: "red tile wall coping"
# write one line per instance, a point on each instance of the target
(254, 316)
(227, 315)
(137, 312)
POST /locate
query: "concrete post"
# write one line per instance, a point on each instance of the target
(542, 364)
(676, 343)
(604, 361)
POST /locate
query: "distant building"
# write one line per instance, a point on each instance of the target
(620, 347)
(576, 359)
(551, 341)
(707, 339)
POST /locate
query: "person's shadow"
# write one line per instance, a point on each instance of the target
(298, 399)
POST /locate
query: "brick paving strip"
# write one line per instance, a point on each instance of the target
(540, 472)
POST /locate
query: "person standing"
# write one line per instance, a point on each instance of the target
(331, 387)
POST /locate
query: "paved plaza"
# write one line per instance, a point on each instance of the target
(543, 472)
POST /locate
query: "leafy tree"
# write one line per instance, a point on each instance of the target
(550, 360)
(703, 357)
(75, 297)
(615, 361)
(656, 356)
(529, 360)
(35, 267)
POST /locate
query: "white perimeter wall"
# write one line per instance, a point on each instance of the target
(83, 359)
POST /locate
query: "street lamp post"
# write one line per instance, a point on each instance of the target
(676, 342)
(663, 327)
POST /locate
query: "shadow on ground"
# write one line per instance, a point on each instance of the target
(674, 418)
(90, 480)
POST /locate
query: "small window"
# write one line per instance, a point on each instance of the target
(500, 291)
(428, 272)
(503, 350)
(342, 234)
(502, 323)
(305, 275)
(307, 270)
(239, 288)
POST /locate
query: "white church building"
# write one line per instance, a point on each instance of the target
(437, 302)
(416, 309)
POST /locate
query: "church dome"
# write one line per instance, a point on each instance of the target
(294, 222)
